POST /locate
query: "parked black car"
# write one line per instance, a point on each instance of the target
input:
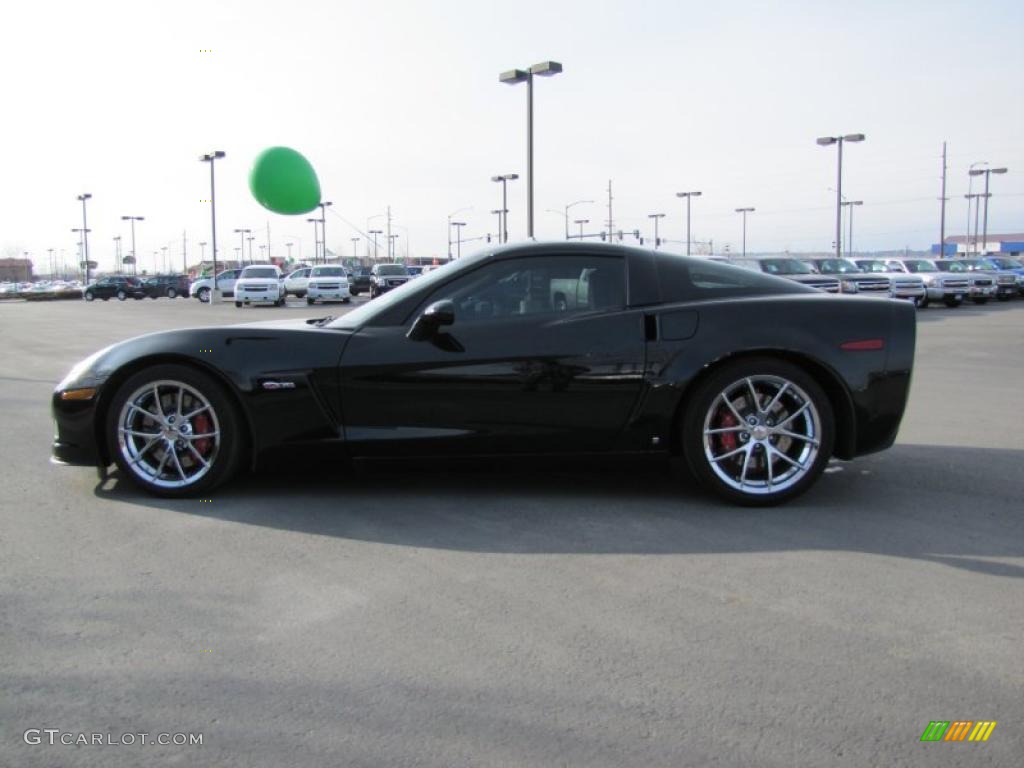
(359, 280)
(115, 286)
(170, 286)
(544, 348)
(384, 277)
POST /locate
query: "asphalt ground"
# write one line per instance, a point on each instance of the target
(512, 615)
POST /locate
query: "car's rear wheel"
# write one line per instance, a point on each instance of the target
(203, 295)
(952, 302)
(121, 295)
(238, 304)
(171, 293)
(310, 300)
(758, 432)
(174, 431)
(90, 296)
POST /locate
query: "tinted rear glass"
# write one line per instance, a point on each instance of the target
(691, 279)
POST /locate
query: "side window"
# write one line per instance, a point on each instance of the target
(537, 285)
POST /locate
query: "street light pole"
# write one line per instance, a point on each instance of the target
(655, 216)
(570, 205)
(504, 179)
(984, 237)
(316, 240)
(211, 158)
(581, 222)
(745, 211)
(544, 69)
(849, 240)
(85, 234)
(375, 232)
(499, 213)
(135, 259)
(323, 226)
(687, 195)
(825, 141)
(355, 241)
(458, 228)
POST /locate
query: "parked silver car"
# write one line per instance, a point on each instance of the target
(852, 276)
(986, 283)
(903, 285)
(793, 269)
(947, 287)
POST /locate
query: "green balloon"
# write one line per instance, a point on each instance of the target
(283, 181)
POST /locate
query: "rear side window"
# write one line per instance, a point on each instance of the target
(695, 279)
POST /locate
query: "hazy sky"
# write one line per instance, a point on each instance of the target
(398, 103)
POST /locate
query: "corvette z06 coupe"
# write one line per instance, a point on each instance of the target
(561, 348)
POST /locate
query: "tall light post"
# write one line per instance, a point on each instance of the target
(135, 258)
(687, 195)
(241, 238)
(117, 252)
(164, 262)
(988, 172)
(316, 240)
(375, 232)
(504, 179)
(263, 253)
(323, 225)
(460, 210)
(392, 250)
(85, 234)
(581, 222)
(745, 211)
(289, 247)
(81, 231)
(211, 158)
(656, 216)
(250, 238)
(458, 241)
(202, 253)
(970, 198)
(826, 141)
(567, 207)
(544, 69)
(849, 240)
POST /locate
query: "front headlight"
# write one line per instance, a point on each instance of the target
(849, 286)
(82, 372)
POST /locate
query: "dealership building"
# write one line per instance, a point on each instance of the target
(1011, 245)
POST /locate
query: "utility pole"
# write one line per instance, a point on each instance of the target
(389, 233)
(611, 226)
(184, 252)
(942, 208)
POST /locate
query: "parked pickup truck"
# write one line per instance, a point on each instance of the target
(852, 279)
(903, 284)
(793, 269)
(947, 287)
(989, 282)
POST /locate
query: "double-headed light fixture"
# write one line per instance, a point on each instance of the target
(826, 141)
(513, 76)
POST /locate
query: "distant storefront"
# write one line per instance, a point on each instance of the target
(15, 270)
(1005, 245)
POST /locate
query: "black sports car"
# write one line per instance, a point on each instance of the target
(540, 348)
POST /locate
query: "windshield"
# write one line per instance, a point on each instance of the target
(785, 267)
(873, 265)
(1005, 263)
(260, 272)
(920, 265)
(836, 266)
(359, 317)
(952, 266)
(327, 272)
(391, 270)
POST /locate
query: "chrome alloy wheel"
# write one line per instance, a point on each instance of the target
(762, 434)
(168, 434)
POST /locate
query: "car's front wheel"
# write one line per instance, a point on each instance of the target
(174, 431)
(90, 296)
(203, 295)
(121, 295)
(171, 293)
(952, 302)
(758, 431)
(310, 300)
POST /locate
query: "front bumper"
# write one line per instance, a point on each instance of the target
(258, 297)
(341, 293)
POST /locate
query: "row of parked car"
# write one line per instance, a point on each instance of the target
(267, 284)
(923, 281)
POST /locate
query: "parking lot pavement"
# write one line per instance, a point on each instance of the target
(515, 614)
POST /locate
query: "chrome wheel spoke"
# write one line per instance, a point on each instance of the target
(136, 433)
(181, 395)
(159, 406)
(795, 436)
(746, 466)
(177, 463)
(733, 452)
(731, 407)
(784, 457)
(768, 465)
(196, 412)
(723, 430)
(150, 414)
(753, 396)
(198, 436)
(198, 455)
(778, 395)
(793, 415)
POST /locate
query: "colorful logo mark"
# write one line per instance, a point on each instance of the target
(958, 730)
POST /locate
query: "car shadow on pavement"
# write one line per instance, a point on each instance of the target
(948, 504)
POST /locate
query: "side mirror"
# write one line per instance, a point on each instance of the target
(438, 314)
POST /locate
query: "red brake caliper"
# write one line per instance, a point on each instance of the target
(201, 424)
(727, 440)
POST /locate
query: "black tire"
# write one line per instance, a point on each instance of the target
(171, 293)
(980, 299)
(952, 302)
(224, 451)
(90, 296)
(813, 450)
(279, 303)
(153, 296)
(238, 304)
(310, 300)
(923, 303)
(1003, 297)
(203, 295)
(300, 294)
(121, 295)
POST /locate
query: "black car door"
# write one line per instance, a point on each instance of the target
(543, 356)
